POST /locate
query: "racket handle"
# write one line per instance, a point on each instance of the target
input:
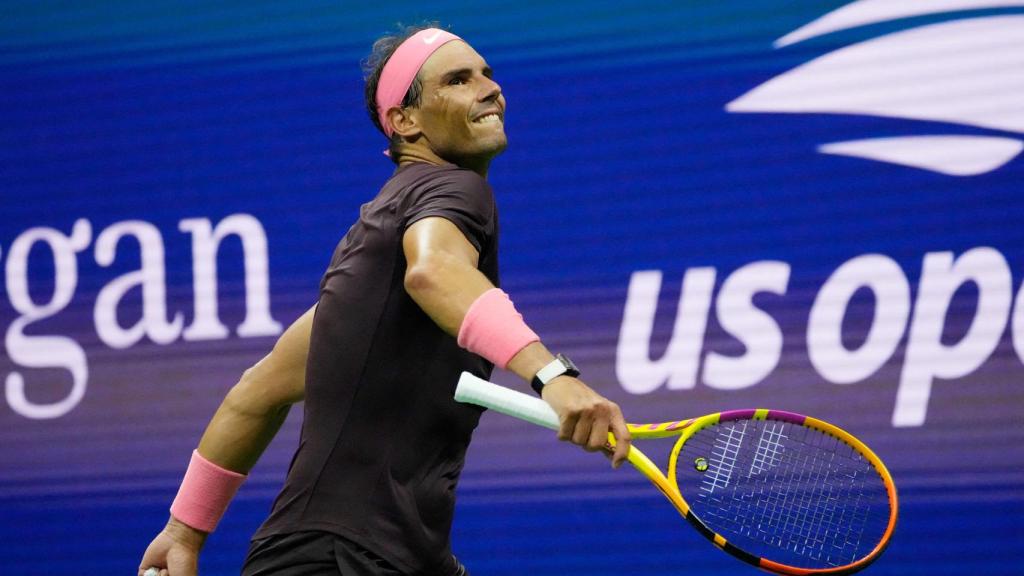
(473, 390)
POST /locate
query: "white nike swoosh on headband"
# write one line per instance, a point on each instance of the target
(430, 39)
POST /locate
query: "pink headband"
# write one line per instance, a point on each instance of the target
(401, 69)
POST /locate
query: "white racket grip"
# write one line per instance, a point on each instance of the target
(473, 390)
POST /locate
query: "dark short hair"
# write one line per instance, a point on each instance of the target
(382, 51)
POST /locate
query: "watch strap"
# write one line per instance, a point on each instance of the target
(557, 367)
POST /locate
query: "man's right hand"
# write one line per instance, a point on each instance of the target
(174, 551)
(587, 418)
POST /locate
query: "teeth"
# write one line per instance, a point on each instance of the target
(488, 119)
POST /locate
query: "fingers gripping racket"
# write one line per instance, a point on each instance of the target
(784, 492)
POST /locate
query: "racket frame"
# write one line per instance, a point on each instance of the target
(475, 390)
(688, 428)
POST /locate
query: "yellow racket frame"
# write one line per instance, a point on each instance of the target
(477, 391)
(685, 429)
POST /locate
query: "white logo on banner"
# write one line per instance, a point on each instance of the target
(968, 72)
(922, 320)
(29, 349)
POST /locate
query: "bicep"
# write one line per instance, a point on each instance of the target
(437, 237)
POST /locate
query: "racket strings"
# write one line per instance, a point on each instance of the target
(786, 492)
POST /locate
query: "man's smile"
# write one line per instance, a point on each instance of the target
(489, 117)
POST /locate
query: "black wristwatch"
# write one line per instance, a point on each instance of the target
(560, 366)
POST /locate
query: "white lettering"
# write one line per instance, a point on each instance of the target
(1018, 323)
(828, 355)
(150, 277)
(636, 371)
(926, 357)
(36, 351)
(205, 241)
(44, 351)
(758, 331)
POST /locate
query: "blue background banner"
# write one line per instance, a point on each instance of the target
(702, 209)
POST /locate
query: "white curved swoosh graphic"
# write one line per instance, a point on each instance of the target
(951, 155)
(966, 72)
(864, 12)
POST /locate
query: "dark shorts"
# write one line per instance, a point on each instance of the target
(318, 554)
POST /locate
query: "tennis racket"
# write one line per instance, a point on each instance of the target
(787, 493)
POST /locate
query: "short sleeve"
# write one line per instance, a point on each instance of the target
(461, 197)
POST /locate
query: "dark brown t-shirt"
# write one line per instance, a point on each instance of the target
(383, 442)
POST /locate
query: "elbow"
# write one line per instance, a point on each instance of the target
(244, 397)
(420, 279)
(254, 396)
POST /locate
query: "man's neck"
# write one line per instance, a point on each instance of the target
(409, 154)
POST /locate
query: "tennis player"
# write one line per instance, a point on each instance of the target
(409, 301)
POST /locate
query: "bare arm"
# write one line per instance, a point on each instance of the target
(254, 409)
(442, 277)
(239, 432)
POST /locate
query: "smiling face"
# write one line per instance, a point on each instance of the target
(461, 117)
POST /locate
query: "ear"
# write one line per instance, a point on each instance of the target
(404, 122)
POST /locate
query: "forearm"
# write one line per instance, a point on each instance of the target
(443, 279)
(445, 288)
(528, 361)
(239, 432)
(254, 409)
(449, 293)
(236, 436)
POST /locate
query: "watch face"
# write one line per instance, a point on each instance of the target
(570, 368)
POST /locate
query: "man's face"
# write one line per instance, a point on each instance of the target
(462, 112)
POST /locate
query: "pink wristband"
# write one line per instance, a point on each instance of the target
(205, 493)
(494, 329)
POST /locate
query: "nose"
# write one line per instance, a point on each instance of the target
(490, 91)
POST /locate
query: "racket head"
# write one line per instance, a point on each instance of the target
(785, 492)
